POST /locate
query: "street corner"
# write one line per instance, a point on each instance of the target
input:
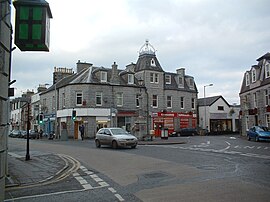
(40, 168)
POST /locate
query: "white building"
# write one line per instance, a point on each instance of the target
(217, 115)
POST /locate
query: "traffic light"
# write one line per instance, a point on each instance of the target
(40, 119)
(73, 117)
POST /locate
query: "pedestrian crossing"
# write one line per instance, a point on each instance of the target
(90, 180)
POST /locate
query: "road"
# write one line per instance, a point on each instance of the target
(206, 168)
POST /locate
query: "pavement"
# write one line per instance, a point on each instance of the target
(43, 167)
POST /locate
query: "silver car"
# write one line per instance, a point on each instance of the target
(115, 137)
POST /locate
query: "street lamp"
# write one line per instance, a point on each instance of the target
(28, 100)
(140, 120)
(140, 82)
(205, 103)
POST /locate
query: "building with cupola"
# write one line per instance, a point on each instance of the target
(255, 94)
(140, 98)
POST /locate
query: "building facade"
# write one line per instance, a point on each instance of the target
(139, 98)
(219, 116)
(254, 95)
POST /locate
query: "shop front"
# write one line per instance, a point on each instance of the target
(172, 121)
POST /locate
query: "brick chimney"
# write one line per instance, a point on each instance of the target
(82, 65)
(115, 77)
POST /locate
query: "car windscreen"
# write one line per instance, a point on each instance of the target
(118, 131)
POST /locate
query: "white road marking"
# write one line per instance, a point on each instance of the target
(215, 151)
(104, 184)
(119, 197)
(87, 186)
(112, 190)
(97, 179)
(94, 176)
(89, 172)
(15, 155)
(248, 147)
(76, 174)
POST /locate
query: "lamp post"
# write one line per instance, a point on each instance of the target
(140, 120)
(205, 103)
(55, 122)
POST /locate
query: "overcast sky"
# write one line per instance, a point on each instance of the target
(215, 40)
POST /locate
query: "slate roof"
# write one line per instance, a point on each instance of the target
(260, 74)
(144, 63)
(88, 76)
(174, 85)
(265, 56)
(208, 101)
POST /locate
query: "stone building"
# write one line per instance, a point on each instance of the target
(254, 95)
(142, 95)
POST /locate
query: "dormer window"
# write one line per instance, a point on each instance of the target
(168, 79)
(103, 76)
(267, 70)
(153, 63)
(130, 79)
(253, 75)
(191, 83)
(181, 81)
(247, 79)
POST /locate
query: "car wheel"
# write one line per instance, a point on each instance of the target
(257, 138)
(114, 144)
(98, 144)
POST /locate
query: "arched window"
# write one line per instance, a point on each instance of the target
(153, 63)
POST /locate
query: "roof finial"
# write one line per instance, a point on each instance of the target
(147, 48)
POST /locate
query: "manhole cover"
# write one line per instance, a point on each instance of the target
(155, 175)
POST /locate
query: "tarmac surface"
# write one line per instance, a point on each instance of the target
(44, 167)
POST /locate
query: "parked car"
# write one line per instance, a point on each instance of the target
(33, 134)
(115, 137)
(185, 132)
(15, 133)
(258, 133)
(23, 133)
